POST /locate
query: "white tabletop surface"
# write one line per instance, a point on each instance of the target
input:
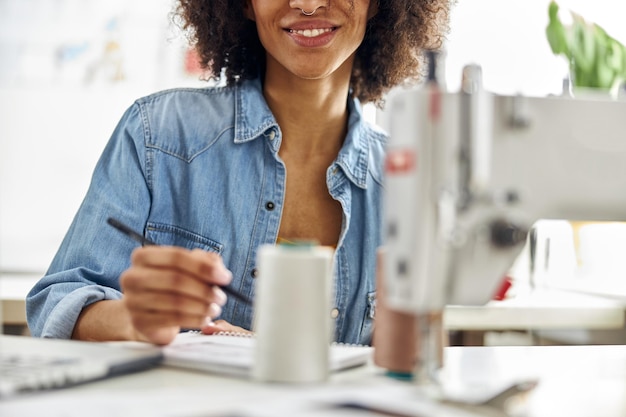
(573, 381)
(13, 291)
(540, 309)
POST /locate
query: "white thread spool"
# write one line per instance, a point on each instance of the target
(292, 313)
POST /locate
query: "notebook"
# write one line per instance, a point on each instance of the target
(29, 364)
(233, 353)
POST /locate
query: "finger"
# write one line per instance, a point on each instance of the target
(204, 266)
(212, 327)
(173, 304)
(149, 321)
(209, 327)
(212, 264)
(140, 279)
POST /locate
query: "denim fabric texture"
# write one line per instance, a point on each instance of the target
(197, 168)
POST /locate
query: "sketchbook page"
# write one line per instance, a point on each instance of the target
(233, 354)
(344, 356)
(224, 354)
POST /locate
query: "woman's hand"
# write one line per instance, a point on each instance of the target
(212, 327)
(168, 287)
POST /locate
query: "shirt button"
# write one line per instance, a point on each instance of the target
(254, 272)
(270, 205)
(334, 313)
(335, 170)
(272, 134)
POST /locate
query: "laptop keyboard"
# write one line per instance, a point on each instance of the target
(23, 373)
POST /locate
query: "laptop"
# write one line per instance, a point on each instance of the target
(29, 364)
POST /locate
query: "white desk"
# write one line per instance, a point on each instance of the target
(574, 381)
(13, 291)
(550, 312)
(540, 309)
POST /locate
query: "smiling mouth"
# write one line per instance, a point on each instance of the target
(310, 33)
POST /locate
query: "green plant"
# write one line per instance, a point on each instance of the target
(595, 58)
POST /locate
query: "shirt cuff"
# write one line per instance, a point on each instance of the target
(61, 321)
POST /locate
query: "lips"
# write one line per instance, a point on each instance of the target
(312, 33)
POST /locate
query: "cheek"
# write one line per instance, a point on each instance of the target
(265, 36)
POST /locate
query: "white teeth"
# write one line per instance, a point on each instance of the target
(311, 33)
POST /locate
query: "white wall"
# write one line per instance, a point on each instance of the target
(507, 38)
(59, 104)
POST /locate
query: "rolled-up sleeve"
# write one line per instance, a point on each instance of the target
(92, 256)
(59, 323)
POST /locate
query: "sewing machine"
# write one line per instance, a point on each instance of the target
(469, 173)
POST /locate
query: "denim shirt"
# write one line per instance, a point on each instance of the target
(199, 168)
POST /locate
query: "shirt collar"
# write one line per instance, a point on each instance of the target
(252, 114)
(253, 118)
(353, 157)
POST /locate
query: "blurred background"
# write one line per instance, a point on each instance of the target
(69, 69)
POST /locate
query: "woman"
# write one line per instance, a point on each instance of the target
(280, 152)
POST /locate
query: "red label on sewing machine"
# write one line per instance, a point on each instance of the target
(400, 161)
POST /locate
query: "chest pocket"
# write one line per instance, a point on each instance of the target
(163, 234)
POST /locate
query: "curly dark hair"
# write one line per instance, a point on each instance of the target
(390, 54)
